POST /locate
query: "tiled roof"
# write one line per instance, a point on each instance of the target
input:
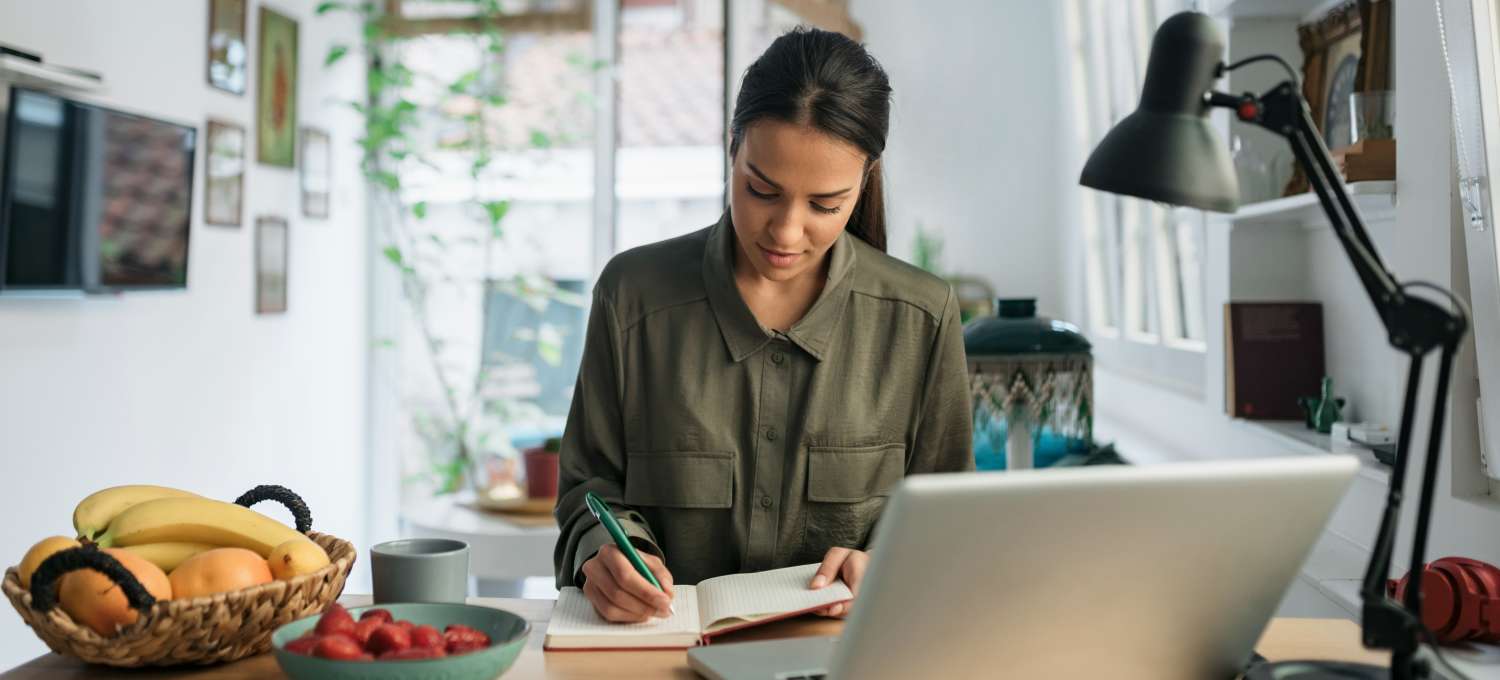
(670, 89)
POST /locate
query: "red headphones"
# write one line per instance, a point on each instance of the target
(1460, 599)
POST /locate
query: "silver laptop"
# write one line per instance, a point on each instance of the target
(1160, 572)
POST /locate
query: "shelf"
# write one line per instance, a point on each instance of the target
(26, 73)
(1375, 201)
(1286, 10)
(1297, 439)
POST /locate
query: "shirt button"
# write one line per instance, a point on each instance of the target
(765, 501)
(771, 434)
(776, 358)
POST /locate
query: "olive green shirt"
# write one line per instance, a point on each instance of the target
(724, 447)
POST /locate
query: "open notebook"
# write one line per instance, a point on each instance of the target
(717, 605)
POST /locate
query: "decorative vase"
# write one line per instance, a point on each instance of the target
(1328, 411)
(1031, 381)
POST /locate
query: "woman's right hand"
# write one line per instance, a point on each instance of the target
(619, 593)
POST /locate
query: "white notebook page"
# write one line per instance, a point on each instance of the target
(574, 615)
(751, 596)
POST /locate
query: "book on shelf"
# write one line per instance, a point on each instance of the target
(1273, 355)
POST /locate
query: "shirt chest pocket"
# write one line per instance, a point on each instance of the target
(851, 474)
(847, 487)
(680, 479)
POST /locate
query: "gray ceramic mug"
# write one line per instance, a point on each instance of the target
(420, 570)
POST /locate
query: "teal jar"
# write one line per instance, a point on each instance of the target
(1031, 384)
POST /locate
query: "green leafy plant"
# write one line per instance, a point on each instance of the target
(463, 423)
(927, 250)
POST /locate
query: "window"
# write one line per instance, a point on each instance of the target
(1471, 50)
(1143, 284)
(602, 124)
(669, 160)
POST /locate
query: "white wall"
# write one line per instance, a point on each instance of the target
(972, 148)
(191, 388)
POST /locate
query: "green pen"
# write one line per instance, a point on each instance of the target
(607, 518)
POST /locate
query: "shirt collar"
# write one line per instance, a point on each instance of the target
(743, 335)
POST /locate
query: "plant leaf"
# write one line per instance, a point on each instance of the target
(496, 211)
(326, 7)
(393, 254)
(463, 83)
(335, 53)
(419, 209)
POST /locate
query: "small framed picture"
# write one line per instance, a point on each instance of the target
(228, 55)
(225, 171)
(270, 265)
(316, 178)
(276, 91)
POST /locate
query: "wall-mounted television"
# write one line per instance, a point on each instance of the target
(92, 198)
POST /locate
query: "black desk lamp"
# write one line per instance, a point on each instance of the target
(1166, 151)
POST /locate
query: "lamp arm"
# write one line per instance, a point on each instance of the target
(1415, 326)
(1283, 111)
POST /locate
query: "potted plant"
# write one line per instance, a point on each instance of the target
(541, 468)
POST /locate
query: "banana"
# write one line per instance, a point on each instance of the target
(94, 513)
(196, 520)
(168, 555)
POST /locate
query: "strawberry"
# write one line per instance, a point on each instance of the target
(427, 636)
(365, 627)
(335, 619)
(338, 647)
(383, 614)
(388, 638)
(303, 645)
(462, 633)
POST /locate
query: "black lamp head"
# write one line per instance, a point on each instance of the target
(1166, 150)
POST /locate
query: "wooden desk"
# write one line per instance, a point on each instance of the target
(1284, 639)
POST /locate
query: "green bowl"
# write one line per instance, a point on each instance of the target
(508, 634)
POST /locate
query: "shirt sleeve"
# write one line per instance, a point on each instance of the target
(944, 440)
(593, 454)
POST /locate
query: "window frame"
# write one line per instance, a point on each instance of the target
(1130, 274)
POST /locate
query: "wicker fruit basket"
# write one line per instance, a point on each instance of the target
(203, 630)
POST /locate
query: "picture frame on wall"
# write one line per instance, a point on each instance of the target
(228, 53)
(276, 96)
(315, 166)
(270, 265)
(224, 173)
(1346, 50)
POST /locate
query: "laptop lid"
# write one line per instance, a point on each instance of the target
(1164, 571)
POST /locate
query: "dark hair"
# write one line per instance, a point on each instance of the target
(827, 81)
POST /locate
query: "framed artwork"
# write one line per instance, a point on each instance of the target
(1345, 50)
(270, 265)
(316, 177)
(224, 169)
(276, 97)
(228, 55)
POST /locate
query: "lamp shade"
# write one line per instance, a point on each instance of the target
(1166, 150)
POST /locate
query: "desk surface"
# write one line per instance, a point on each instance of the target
(1284, 639)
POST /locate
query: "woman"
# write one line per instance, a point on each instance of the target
(752, 392)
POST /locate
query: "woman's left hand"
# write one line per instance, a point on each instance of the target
(845, 563)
